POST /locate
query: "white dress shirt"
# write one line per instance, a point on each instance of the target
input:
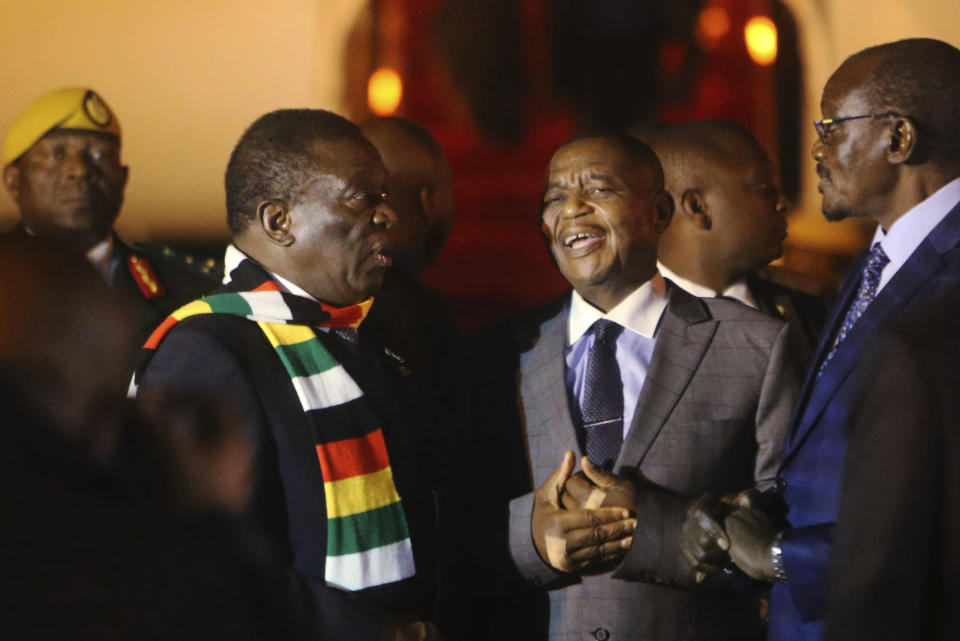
(639, 314)
(737, 291)
(907, 232)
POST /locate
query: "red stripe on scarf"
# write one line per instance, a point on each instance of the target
(348, 316)
(160, 332)
(353, 457)
(267, 286)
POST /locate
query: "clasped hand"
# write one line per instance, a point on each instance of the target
(583, 521)
(718, 530)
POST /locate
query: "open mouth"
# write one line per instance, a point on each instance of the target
(383, 256)
(581, 241)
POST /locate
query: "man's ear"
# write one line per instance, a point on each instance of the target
(11, 180)
(274, 220)
(693, 206)
(663, 205)
(428, 199)
(903, 141)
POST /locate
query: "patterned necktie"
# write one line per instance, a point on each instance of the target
(869, 280)
(602, 405)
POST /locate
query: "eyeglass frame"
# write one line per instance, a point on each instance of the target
(822, 132)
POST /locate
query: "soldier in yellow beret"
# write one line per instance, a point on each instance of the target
(62, 166)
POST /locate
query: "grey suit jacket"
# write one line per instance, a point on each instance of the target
(712, 416)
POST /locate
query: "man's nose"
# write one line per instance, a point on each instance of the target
(783, 204)
(574, 206)
(384, 216)
(816, 151)
(76, 164)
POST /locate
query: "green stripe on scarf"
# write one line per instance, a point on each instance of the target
(367, 530)
(232, 304)
(304, 359)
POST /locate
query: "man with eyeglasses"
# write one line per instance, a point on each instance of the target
(888, 150)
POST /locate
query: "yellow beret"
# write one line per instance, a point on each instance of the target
(70, 108)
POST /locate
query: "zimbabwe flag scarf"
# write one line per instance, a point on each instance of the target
(368, 543)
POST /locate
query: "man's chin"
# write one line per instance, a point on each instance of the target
(73, 232)
(88, 219)
(836, 214)
(372, 286)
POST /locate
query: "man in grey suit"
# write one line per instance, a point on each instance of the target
(701, 394)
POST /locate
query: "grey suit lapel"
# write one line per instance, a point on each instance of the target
(543, 394)
(684, 335)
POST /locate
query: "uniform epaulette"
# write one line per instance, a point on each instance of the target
(145, 276)
(207, 267)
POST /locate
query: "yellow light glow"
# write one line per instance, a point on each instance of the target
(713, 23)
(761, 38)
(384, 91)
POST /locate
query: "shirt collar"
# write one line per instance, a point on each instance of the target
(738, 291)
(232, 258)
(100, 254)
(639, 312)
(908, 231)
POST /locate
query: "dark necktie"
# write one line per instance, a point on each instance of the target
(869, 280)
(602, 406)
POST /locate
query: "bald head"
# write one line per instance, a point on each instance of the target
(419, 184)
(691, 152)
(602, 213)
(729, 218)
(918, 78)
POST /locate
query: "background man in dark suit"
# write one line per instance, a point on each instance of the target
(730, 221)
(343, 468)
(694, 397)
(418, 321)
(63, 169)
(416, 318)
(889, 150)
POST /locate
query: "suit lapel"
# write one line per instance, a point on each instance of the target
(543, 394)
(684, 335)
(922, 265)
(847, 292)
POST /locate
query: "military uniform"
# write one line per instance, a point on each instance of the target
(154, 281)
(153, 285)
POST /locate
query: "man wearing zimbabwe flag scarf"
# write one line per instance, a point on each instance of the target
(342, 473)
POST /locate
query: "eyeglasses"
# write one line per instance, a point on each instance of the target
(825, 126)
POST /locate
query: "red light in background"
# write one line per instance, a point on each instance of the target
(713, 24)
